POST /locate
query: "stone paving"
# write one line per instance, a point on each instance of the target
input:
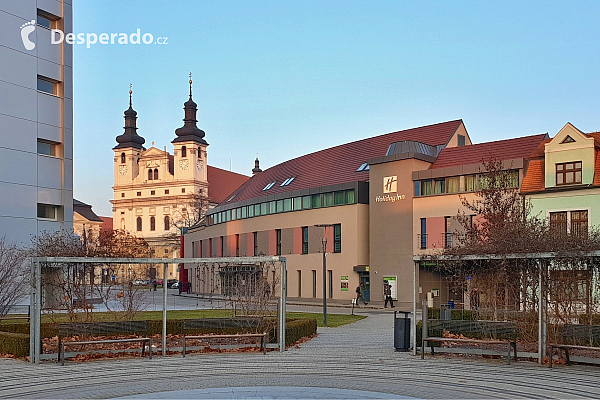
(355, 357)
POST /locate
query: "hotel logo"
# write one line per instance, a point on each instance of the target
(390, 184)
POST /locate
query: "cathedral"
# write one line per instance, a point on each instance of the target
(157, 195)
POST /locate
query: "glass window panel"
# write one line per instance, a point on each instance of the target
(279, 206)
(350, 199)
(46, 148)
(439, 186)
(569, 177)
(417, 185)
(559, 167)
(244, 212)
(306, 202)
(452, 185)
(317, 200)
(297, 203)
(251, 211)
(272, 207)
(227, 215)
(45, 86)
(327, 199)
(559, 179)
(287, 205)
(43, 21)
(339, 198)
(578, 177)
(426, 188)
(233, 214)
(578, 165)
(470, 183)
(263, 208)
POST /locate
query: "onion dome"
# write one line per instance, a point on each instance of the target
(130, 138)
(189, 132)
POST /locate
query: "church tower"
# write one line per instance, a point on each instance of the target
(128, 150)
(190, 162)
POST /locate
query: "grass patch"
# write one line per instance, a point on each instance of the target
(333, 320)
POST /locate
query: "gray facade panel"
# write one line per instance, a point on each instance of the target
(17, 201)
(14, 133)
(22, 9)
(17, 101)
(49, 171)
(17, 167)
(49, 132)
(18, 230)
(49, 109)
(45, 49)
(18, 68)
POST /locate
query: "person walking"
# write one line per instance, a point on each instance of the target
(387, 290)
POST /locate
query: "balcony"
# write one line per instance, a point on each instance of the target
(422, 240)
(447, 240)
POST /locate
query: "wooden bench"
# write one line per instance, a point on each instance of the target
(61, 355)
(262, 336)
(100, 329)
(576, 333)
(219, 328)
(480, 328)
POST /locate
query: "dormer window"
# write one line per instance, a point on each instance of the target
(568, 173)
(183, 151)
(122, 158)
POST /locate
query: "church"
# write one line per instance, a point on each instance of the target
(157, 195)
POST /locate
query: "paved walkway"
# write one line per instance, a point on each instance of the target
(358, 356)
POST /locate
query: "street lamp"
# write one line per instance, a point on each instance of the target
(324, 242)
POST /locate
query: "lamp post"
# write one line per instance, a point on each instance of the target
(324, 242)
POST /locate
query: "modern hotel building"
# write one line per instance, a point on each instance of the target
(36, 119)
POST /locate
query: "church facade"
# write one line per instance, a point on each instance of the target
(156, 195)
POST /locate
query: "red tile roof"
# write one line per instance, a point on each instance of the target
(476, 153)
(596, 181)
(535, 179)
(107, 223)
(222, 183)
(338, 164)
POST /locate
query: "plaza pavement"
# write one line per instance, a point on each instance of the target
(355, 357)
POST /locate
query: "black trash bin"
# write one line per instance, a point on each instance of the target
(402, 331)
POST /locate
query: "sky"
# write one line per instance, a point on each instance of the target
(283, 79)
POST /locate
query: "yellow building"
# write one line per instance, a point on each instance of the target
(157, 194)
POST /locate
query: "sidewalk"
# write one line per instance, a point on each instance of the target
(359, 356)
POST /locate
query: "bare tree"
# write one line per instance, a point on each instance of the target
(12, 275)
(75, 287)
(187, 213)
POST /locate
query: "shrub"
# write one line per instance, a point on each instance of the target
(471, 315)
(296, 329)
(16, 344)
(585, 319)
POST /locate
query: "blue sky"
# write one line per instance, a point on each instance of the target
(283, 79)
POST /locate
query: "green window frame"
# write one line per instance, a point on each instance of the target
(263, 208)
(317, 200)
(328, 199)
(350, 197)
(297, 203)
(306, 202)
(337, 238)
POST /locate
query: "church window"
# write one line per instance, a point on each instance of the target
(182, 190)
(139, 224)
(152, 223)
(122, 158)
(123, 223)
(183, 151)
(166, 191)
(149, 174)
(122, 194)
(155, 174)
(139, 193)
(167, 223)
(152, 192)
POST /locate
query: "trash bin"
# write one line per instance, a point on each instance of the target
(401, 331)
(445, 312)
(451, 304)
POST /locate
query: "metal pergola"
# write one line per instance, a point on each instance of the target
(542, 317)
(36, 289)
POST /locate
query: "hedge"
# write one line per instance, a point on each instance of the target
(16, 344)
(585, 319)
(465, 315)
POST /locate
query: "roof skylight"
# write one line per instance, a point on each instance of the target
(363, 167)
(269, 186)
(288, 181)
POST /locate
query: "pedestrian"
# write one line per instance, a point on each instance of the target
(180, 287)
(387, 290)
(155, 284)
(188, 287)
(359, 294)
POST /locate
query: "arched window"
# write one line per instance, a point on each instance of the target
(149, 174)
(138, 222)
(123, 223)
(155, 174)
(167, 223)
(122, 158)
(152, 223)
(183, 151)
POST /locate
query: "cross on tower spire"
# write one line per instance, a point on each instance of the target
(130, 92)
(190, 85)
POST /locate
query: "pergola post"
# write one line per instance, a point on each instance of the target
(164, 322)
(282, 310)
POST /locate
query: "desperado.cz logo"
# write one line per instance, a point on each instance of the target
(57, 37)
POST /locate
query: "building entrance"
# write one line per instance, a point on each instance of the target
(365, 281)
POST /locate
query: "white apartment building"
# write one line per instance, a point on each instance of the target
(36, 119)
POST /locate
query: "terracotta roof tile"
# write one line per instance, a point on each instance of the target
(338, 164)
(222, 183)
(501, 150)
(596, 181)
(107, 223)
(534, 180)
